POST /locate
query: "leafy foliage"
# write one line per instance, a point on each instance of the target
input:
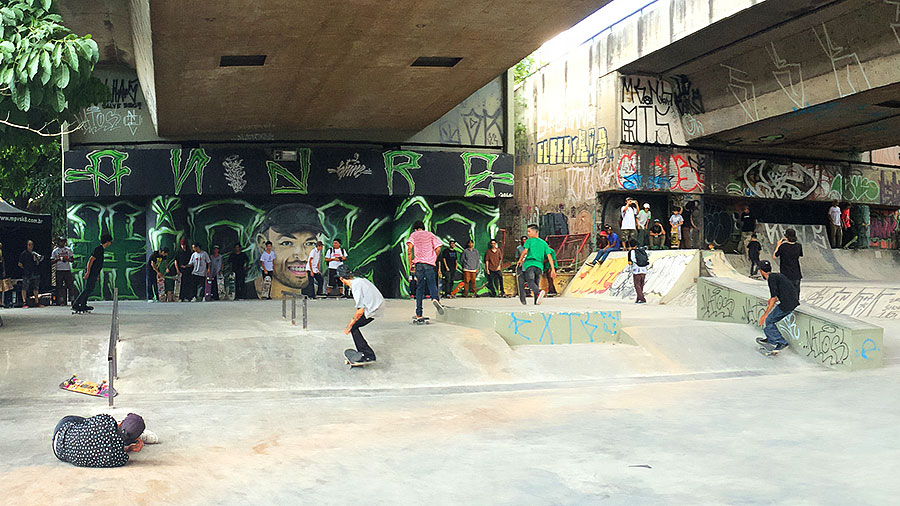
(30, 179)
(45, 70)
(523, 69)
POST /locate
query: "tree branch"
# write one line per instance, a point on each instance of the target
(39, 131)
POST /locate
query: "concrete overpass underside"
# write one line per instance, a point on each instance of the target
(344, 68)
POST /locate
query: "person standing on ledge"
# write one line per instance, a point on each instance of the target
(782, 291)
(536, 252)
(834, 225)
(790, 251)
(92, 274)
(753, 249)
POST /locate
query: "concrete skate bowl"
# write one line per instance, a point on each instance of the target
(669, 274)
(819, 261)
(822, 337)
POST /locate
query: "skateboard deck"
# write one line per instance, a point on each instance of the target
(421, 321)
(74, 384)
(767, 351)
(220, 284)
(207, 290)
(82, 311)
(161, 288)
(459, 286)
(267, 287)
(353, 357)
(178, 285)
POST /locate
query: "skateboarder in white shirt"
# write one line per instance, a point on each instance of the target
(369, 304)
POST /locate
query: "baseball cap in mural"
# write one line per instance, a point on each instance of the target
(344, 272)
(765, 266)
(132, 427)
(292, 218)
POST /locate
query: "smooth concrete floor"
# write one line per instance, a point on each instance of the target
(252, 411)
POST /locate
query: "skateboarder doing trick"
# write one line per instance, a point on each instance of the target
(532, 263)
(785, 294)
(423, 248)
(369, 304)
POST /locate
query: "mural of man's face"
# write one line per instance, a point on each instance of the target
(291, 253)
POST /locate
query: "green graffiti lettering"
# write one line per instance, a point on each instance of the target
(92, 170)
(196, 162)
(295, 185)
(473, 179)
(403, 168)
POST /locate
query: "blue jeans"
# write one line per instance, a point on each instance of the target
(425, 274)
(602, 254)
(771, 329)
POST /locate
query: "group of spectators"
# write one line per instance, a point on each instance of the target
(646, 231)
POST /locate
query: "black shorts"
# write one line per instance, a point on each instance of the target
(333, 280)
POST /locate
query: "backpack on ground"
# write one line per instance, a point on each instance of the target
(641, 258)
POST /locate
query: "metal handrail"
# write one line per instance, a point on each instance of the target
(293, 296)
(112, 350)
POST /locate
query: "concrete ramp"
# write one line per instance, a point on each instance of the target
(670, 273)
(818, 259)
(716, 265)
(835, 341)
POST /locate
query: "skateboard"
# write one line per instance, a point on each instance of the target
(74, 384)
(220, 284)
(353, 357)
(424, 320)
(207, 290)
(177, 285)
(86, 310)
(161, 288)
(767, 350)
(267, 287)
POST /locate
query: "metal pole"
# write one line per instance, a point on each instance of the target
(305, 298)
(283, 306)
(294, 310)
(111, 391)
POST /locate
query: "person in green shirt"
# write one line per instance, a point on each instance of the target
(531, 261)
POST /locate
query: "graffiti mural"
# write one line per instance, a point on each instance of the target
(123, 267)
(661, 171)
(865, 302)
(649, 115)
(298, 171)
(373, 232)
(522, 327)
(884, 226)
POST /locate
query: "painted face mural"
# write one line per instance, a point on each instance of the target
(373, 233)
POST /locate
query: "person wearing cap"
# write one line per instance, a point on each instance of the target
(155, 272)
(61, 260)
(629, 219)
(612, 244)
(784, 299)
(643, 223)
(657, 235)
(293, 230)
(97, 441)
(183, 270)
(423, 249)
(336, 256)
(369, 303)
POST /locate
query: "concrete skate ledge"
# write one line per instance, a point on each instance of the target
(542, 327)
(823, 337)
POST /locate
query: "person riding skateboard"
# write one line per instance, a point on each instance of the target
(785, 294)
(369, 303)
(423, 249)
(536, 252)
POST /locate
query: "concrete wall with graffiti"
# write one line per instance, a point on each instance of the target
(479, 120)
(125, 117)
(834, 341)
(372, 230)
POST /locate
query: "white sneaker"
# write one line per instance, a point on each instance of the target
(149, 437)
(540, 297)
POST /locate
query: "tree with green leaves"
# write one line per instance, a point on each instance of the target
(45, 72)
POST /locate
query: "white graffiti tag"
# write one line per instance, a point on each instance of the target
(351, 168)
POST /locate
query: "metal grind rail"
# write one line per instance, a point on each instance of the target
(293, 296)
(112, 353)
